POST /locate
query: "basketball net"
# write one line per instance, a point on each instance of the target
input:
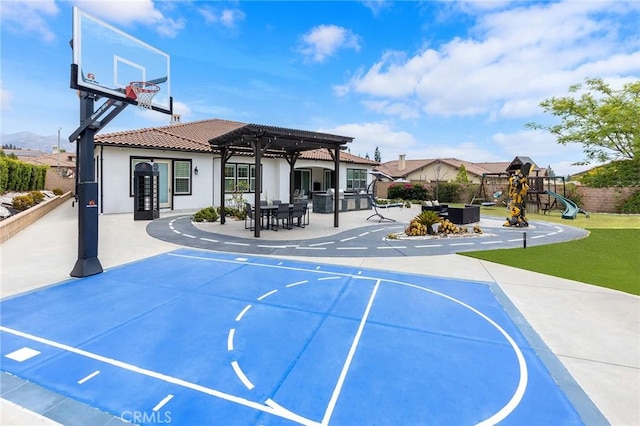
(144, 93)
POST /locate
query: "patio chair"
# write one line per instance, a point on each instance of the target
(283, 213)
(249, 217)
(298, 212)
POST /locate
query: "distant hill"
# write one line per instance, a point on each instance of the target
(28, 140)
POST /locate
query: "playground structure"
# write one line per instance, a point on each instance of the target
(542, 195)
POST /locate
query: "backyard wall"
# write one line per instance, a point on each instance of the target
(54, 180)
(593, 200)
(14, 224)
(603, 200)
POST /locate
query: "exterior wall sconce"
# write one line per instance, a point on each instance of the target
(195, 170)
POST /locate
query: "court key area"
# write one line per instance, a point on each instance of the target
(197, 337)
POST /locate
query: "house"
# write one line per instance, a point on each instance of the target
(438, 169)
(61, 167)
(189, 157)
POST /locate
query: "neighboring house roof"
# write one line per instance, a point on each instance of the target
(196, 136)
(23, 152)
(494, 167)
(392, 167)
(65, 160)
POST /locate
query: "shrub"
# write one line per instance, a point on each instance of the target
(408, 191)
(23, 202)
(57, 191)
(631, 205)
(37, 196)
(415, 229)
(208, 214)
(428, 219)
(447, 227)
(447, 192)
(571, 192)
(616, 173)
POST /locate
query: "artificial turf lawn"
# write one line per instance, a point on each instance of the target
(607, 258)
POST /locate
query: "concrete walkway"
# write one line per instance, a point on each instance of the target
(593, 332)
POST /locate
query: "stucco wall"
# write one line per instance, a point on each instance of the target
(114, 177)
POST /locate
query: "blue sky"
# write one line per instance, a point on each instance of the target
(426, 79)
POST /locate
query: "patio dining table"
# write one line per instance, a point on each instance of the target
(268, 211)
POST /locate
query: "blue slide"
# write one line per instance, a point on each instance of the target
(571, 209)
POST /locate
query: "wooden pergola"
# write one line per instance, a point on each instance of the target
(276, 142)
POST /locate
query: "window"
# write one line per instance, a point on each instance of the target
(230, 177)
(356, 179)
(241, 176)
(181, 177)
(242, 183)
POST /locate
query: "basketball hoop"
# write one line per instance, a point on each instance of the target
(143, 92)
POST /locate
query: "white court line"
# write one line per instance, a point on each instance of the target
(347, 363)
(244, 311)
(310, 248)
(363, 234)
(462, 244)
(391, 247)
(165, 378)
(188, 236)
(538, 236)
(176, 231)
(515, 240)
(241, 259)
(244, 379)
(296, 283)
(348, 239)
(428, 245)
(232, 332)
(89, 377)
(378, 230)
(236, 244)
(328, 278)
(162, 403)
(210, 240)
(351, 248)
(171, 227)
(267, 294)
(268, 246)
(491, 242)
(321, 244)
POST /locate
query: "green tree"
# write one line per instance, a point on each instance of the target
(462, 174)
(550, 171)
(376, 155)
(605, 121)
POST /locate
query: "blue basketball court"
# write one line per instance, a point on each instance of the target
(196, 337)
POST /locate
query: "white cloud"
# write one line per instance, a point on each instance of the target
(29, 17)
(131, 12)
(228, 18)
(368, 136)
(404, 110)
(377, 6)
(324, 41)
(513, 59)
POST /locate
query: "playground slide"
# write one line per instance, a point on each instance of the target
(571, 209)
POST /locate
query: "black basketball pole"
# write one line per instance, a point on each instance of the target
(87, 194)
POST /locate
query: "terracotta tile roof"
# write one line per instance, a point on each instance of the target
(345, 157)
(494, 167)
(194, 136)
(51, 160)
(391, 167)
